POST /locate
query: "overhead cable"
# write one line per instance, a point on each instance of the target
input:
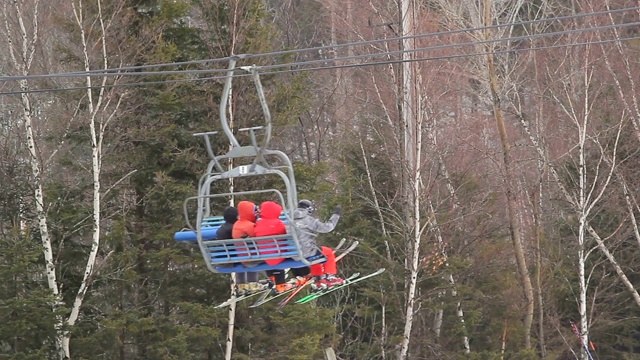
(332, 67)
(120, 71)
(337, 59)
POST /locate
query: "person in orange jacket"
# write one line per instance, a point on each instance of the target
(247, 282)
(270, 224)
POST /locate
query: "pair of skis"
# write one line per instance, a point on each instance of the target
(355, 278)
(265, 298)
(264, 294)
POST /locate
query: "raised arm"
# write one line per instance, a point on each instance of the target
(325, 227)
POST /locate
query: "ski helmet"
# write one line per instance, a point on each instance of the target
(306, 204)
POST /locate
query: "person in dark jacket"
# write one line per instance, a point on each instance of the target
(245, 282)
(230, 215)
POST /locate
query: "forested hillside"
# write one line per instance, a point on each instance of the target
(484, 153)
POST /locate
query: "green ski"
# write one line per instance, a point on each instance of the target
(315, 294)
(295, 290)
(347, 282)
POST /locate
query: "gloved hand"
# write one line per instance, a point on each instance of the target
(337, 210)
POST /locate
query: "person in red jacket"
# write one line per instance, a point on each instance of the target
(270, 224)
(247, 282)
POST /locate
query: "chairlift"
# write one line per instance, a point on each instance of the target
(248, 254)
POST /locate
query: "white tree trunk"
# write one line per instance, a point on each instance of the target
(412, 149)
(34, 160)
(22, 58)
(413, 269)
(232, 309)
(583, 212)
(374, 195)
(582, 299)
(588, 195)
(228, 351)
(50, 267)
(437, 319)
(98, 121)
(383, 326)
(460, 314)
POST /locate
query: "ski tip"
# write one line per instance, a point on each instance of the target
(225, 304)
(228, 302)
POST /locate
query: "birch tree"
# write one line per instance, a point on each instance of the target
(22, 35)
(412, 138)
(102, 107)
(577, 89)
(576, 101)
(573, 201)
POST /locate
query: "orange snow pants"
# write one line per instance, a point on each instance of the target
(328, 267)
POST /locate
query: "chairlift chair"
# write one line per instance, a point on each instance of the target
(249, 254)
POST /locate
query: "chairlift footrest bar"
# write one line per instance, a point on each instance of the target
(286, 264)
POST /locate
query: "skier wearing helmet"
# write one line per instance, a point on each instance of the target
(307, 228)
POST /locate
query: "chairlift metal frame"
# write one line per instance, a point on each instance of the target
(255, 164)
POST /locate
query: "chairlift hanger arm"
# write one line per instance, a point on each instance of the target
(265, 110)
(224, 101)
(209, 147)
